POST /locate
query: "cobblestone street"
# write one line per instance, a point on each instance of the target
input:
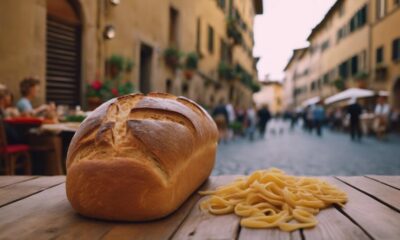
(301, 153)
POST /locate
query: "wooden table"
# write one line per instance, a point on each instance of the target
(34, 207)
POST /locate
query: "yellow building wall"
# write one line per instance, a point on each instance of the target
(384, 31)
(23, 43)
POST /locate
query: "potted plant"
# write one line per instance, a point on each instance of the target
(361, 78)
(339, 84)
(172, 57)
(191, 63)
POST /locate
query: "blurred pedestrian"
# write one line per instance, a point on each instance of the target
(318, 115)
(382, 110)
(354, 110)
(251, 121)
(263, 118)
(231, 120)
(221, 118)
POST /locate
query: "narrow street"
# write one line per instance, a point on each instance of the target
(301, 153)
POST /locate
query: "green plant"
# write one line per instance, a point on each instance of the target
(129, 65)
(192, 60)
(233, 31)
(116, 61)
(339, 84)
(226, 71)
(255, 87)
(172, 57)
(361, 75)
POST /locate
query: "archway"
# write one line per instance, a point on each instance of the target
(63, 52)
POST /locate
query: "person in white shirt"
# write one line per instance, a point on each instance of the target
(381, 112)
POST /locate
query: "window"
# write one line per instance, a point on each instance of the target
(396, 50)
(380, 8)
(354, 65)
(359, 19)
(325, 78)
(379, 55)
(313, 86)
(173, 26)
(210, 39)
(343, 70)
(223, 51)
(198, 35)
(325, 45)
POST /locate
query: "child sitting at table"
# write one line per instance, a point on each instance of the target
(29, 88)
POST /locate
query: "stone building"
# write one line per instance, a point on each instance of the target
(343, 52)
(271, 94)
(66, 44)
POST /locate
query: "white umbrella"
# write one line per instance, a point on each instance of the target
(311, 101)
(349, 93)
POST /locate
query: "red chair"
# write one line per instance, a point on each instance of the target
(11, 154)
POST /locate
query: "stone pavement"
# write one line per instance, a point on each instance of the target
(301, 153)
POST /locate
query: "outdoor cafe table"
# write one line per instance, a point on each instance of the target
(34, 207)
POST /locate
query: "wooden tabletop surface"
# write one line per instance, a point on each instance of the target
(33, 207)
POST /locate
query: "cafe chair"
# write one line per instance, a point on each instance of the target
(13, 156)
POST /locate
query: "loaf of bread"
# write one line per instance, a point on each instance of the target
(138, 157)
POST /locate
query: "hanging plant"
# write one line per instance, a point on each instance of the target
(192, 60)
(172, 57)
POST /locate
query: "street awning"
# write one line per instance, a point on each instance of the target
(349, 93)
(311, 101)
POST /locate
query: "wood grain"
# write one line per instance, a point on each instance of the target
(378, 190)
(393, 181)
(332, 224)
(23, 189)
(9, 180)
(47, 215)
(262, 234)
(378, 220)
(202, 225)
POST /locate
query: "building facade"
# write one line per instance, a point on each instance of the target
(69, 43)
(271, 94)
(343, 51)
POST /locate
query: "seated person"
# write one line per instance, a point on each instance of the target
(11, 133)
(9, 110)
(29, 88)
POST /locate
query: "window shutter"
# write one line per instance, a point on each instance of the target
(63, 63)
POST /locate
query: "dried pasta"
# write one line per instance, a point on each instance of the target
(270, 198)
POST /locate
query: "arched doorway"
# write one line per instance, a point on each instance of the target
(396, 93)
(63, 52)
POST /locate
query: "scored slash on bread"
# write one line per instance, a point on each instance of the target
(139, 157)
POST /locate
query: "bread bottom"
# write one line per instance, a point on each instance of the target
(127, 190)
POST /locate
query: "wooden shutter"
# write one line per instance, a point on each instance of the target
(63, 62)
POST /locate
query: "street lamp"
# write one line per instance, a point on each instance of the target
(109, 32)
(115, 2)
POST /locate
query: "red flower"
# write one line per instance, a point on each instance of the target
(96, 85)
(115, 92)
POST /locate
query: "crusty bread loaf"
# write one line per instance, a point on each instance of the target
(140, 157)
